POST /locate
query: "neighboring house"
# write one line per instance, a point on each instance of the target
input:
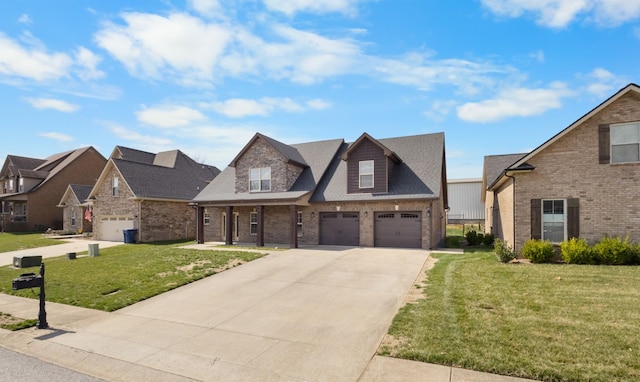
(583, 182)
(148, 192)
(387, 193)
(32, 188)
(76, 215)
(465, 204)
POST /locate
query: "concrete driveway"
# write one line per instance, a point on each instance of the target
(315, 314)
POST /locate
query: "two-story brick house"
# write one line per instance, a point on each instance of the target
(387, 192)
(583, 182)
(147, 192)
(32, 188)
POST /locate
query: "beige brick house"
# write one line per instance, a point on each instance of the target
(583, 182)
(372, 192)
(32, 188)
(149, 193)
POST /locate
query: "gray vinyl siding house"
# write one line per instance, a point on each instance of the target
(371, 192)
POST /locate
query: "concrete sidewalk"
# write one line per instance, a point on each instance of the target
(67, 246)
(296, 315)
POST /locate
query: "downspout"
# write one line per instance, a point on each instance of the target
(513, 180)
(139, 219)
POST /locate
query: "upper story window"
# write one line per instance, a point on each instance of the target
(260, 179)
(10, 185)
(21, 185)
(114, 187)
(625, 142)
(366, 174)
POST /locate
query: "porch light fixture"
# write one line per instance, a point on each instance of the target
(313, 214)
(396, 207)
(337, 208)
(366, 214)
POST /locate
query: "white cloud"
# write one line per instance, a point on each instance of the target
(242, 107)
(152, 46)
(146, 141)
(517, 102)
(560, 13)
(208, 8)
(24, 19)
(291, 7)
(33, 62)
(51, 103)
(440, 110)
(88, 64)
(170, 116)
(602, 83)
(57, 136)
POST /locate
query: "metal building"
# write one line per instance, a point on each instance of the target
(465, 204)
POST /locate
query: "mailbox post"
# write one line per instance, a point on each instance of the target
(31, 280)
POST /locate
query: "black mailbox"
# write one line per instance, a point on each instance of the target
(27, 280)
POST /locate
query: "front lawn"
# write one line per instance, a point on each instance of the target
(125, 274)
(17, 241)
(539, 321)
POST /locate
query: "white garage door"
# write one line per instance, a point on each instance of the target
(111, 227)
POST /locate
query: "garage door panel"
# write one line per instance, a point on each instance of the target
(398, 229)
(111, 228)
(340, 228)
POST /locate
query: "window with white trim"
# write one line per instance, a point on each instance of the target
(299, 223)
(73, 216)
(114, 187)
(365, 173)
(253, 223)
(554, 219)
(21, 185)
(260, 179)
(207, 217)
(625, 142)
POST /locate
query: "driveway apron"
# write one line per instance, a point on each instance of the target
(312, 314)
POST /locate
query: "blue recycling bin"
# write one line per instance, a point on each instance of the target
(129, 235)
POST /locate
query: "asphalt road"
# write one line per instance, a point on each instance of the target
(19, 367)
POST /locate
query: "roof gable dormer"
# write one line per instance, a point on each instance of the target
(369, 165)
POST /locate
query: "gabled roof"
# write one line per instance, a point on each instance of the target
(289, 153)
(495, 166)
(44, 169)
(318, 155)
(182, 181)
(629, 88)
(419, 176)
(132, 155)
(79, 191)
(387, 152)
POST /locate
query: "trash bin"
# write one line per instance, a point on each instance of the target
(130, 235)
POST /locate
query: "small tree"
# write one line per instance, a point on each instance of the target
(504, 252)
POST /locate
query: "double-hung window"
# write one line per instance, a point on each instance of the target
(73, 216)
(114, 187)
(299, 223)
(554, 220)
(206, 217)
(260, 179)
(625, 142)
(365, 174)
(21, 185)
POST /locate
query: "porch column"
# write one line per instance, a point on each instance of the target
(228, 229)
(260, 233)
(199, 225)
(293, 224)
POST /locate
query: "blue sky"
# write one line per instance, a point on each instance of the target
(203, 76)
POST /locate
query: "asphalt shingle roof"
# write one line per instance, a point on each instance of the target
(419, 175)
(81, 191)
(183, 181)
(494, 165)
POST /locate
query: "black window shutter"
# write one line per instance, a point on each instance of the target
(604, 144)
(573, 218)
(536, 219)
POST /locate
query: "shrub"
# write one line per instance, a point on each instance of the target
(614, 251)
(504, 252)
(577, 251)
(488, 239)
(473, 238)
(538, 251)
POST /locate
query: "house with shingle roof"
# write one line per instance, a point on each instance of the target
(32, 187)
(148, 192)
(76, 209)
(371, 192)
(582, 182)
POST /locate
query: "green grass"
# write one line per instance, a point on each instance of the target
(543, 321)
(125, 274)
(16, 241)
(12, 323)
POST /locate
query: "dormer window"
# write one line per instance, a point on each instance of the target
(260, 179)
(114, 187)
(21, 185)
(366, 174)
